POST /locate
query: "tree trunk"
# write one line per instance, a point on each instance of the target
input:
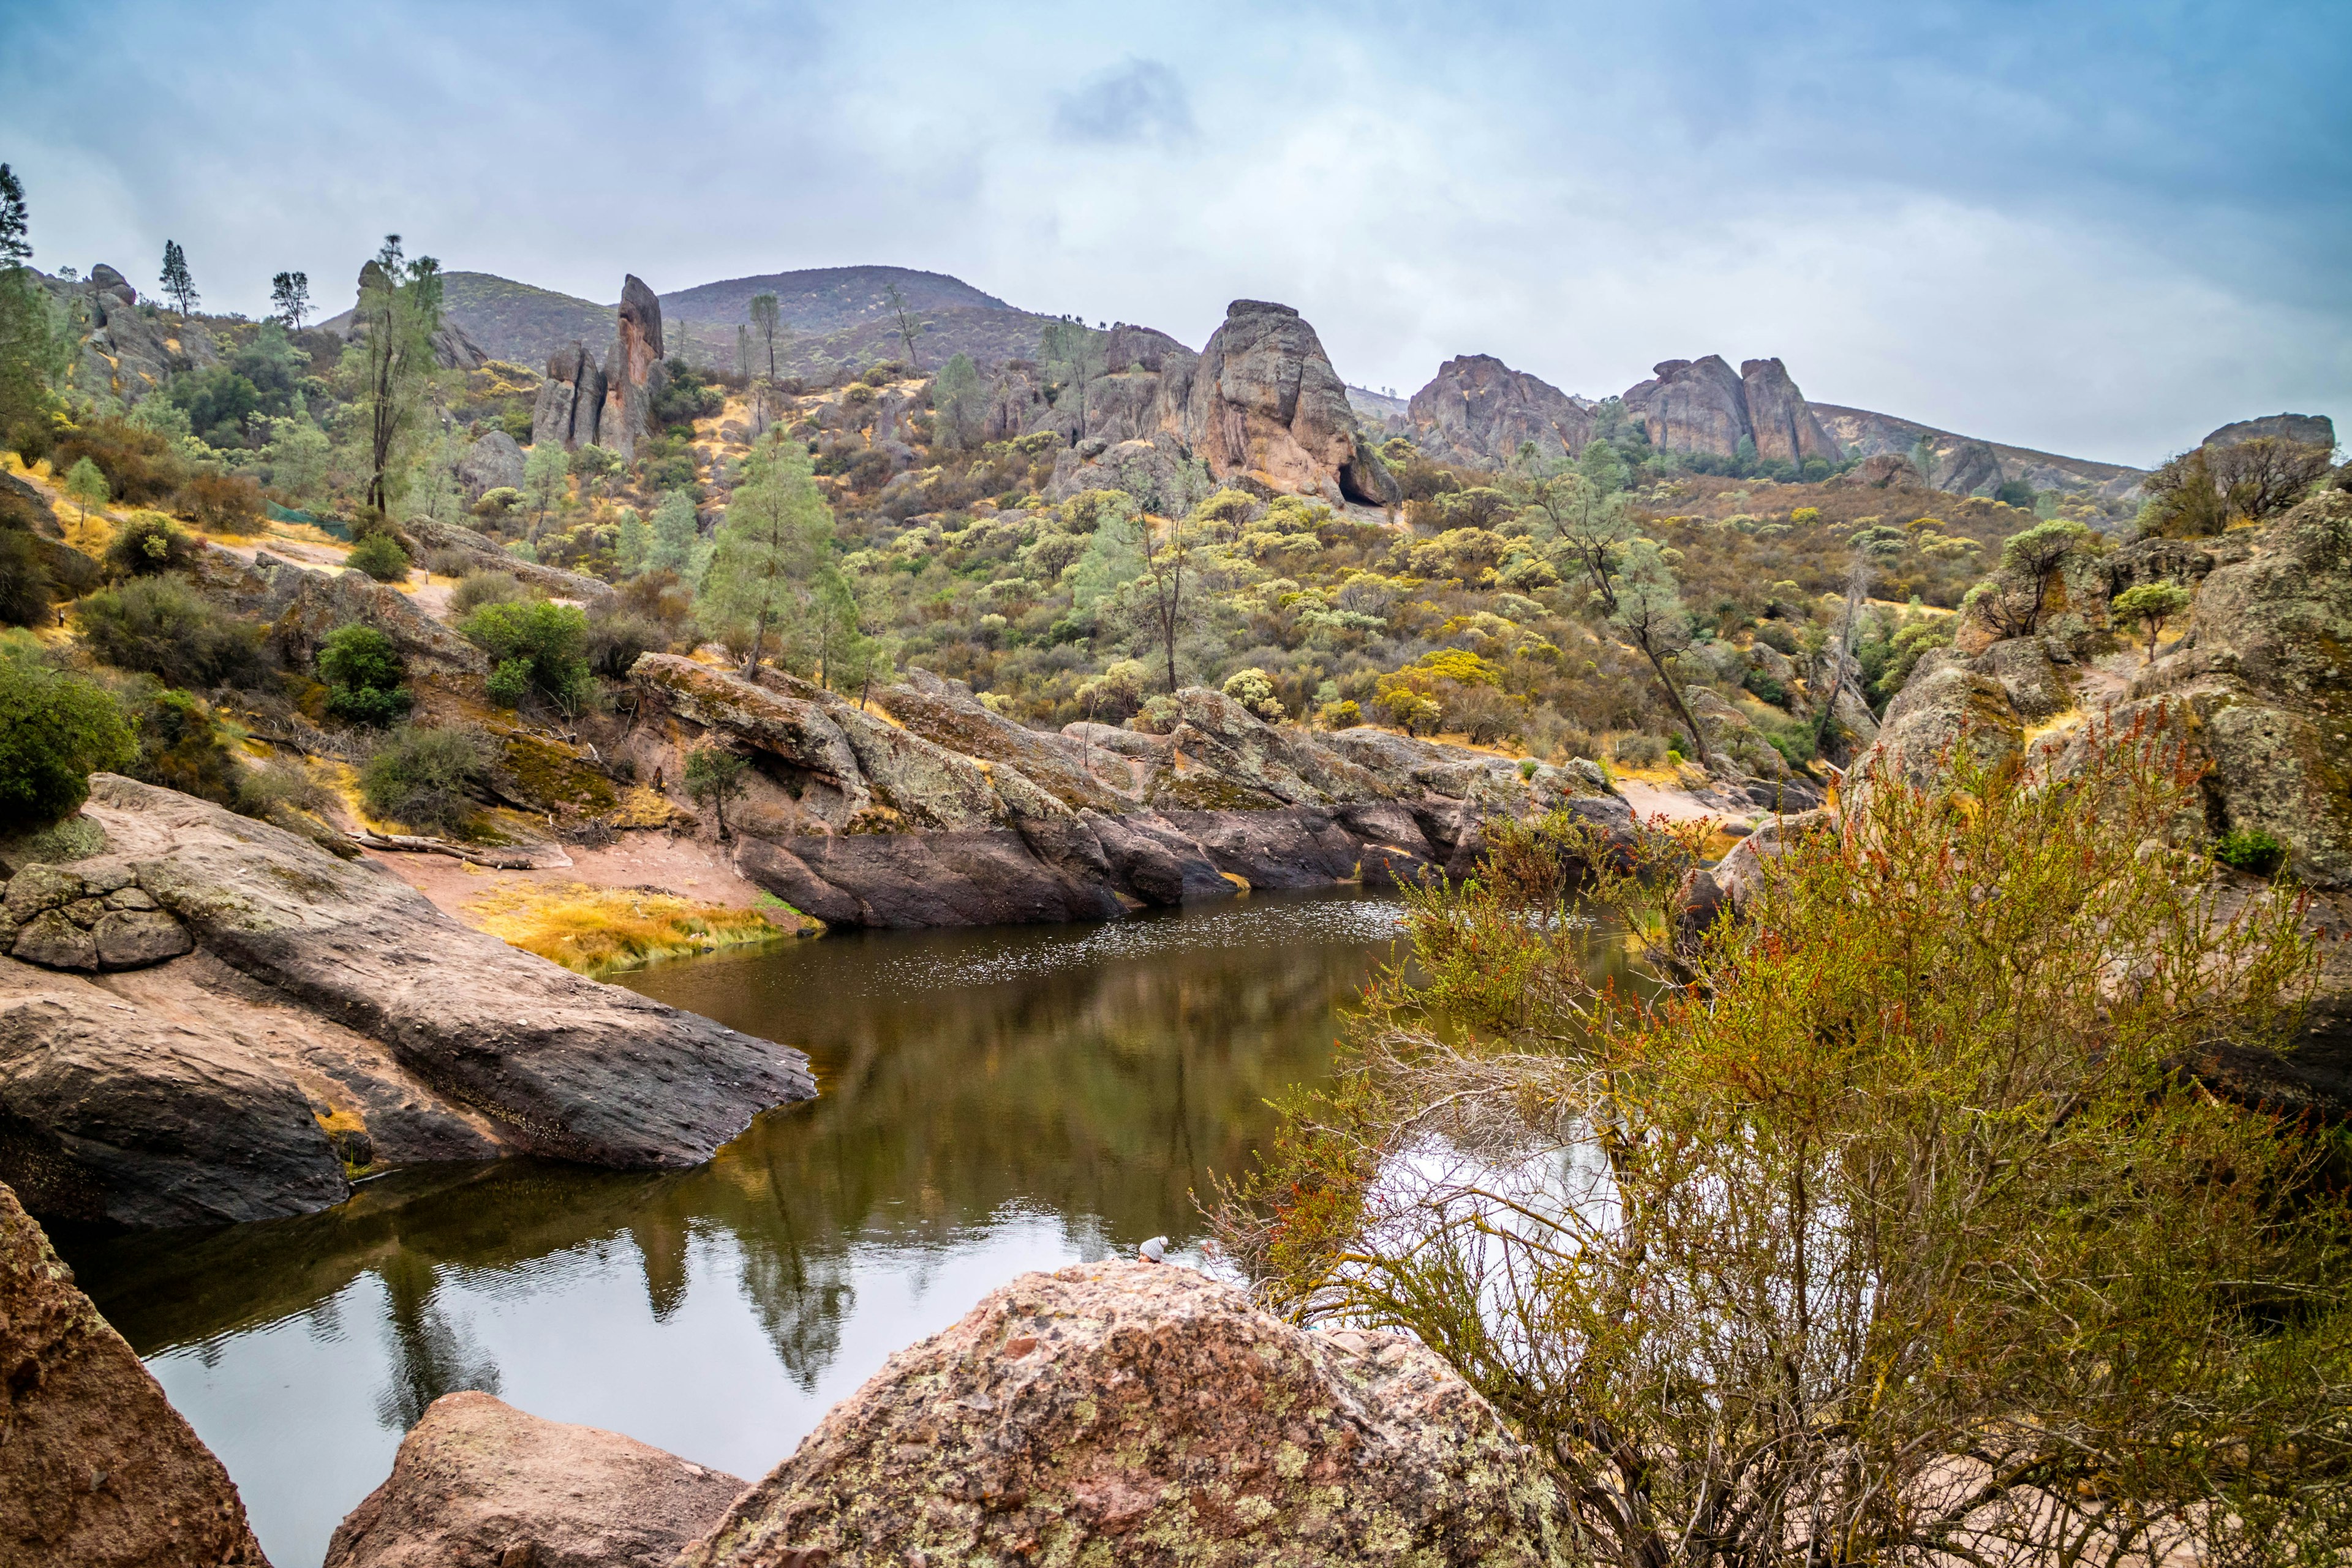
(1699, 737)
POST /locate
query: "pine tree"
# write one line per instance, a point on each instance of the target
(958, 405)
(777, 533)
(767, 319)
(676, 536)
(16, 248)
(35, 342)
(289, 295)
(399, 312)
(179, 283)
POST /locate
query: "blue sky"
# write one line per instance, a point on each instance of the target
(2098, 228)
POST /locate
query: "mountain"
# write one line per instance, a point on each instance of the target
(516, 322)
(1966, 464)
(821, 300)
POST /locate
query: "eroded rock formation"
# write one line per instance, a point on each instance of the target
(97, 1469)
(951, 815)
(1132, 1411)
(634, 373)
(492, 461)
(478, 1482)
(1266, 402)
(1699, 406)
(571, 400)
(285, 1015)
(1478, 411)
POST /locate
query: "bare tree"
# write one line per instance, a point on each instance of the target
(909, 329)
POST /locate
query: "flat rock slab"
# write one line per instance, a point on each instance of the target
(1142, 1413)
(479, 1484)
(97, 1469)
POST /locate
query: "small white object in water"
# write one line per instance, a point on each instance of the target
(1155, 1250)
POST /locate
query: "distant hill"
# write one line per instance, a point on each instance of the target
(825, 299)
(516, 321)
(1869, 433)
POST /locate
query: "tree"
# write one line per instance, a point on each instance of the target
(289, 297)
(297, 455)
(55, 732)
(86, 486)
(537, 647)
(777, 531)
(546, 479)
(1165, 553)
(179, 283)
(675, 533)
(1073, 354)
(15, 244)
(742, 349)
(2013, 599)
(909, 329)
(35, 345)
(632, 542)
(2151, 605)
(596, 466)
(1602, 466)
(399, 312)
(767, 320)
(2200, 492)
(1629, 582)
(1857, 593)
(713, 778)
(959, 406)
(1879, 1224)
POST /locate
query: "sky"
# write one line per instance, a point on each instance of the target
(2098, 229)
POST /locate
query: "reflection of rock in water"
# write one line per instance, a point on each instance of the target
(661, 1239)
(800, 1296)
(430, 1356)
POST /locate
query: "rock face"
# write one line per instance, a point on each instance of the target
(1141, 1413)
(954, 816)
(327, 1017)
(1883, 438)
(97, 1469)
(2305, 429)
(1782, 425)
(634, 372)
(478, 1484)
(1699, 406)
(571, 400)
(483, 554)
(303, 605)
(1478, 411)
(1266, 402)
(490, 462)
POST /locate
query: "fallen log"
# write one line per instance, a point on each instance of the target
(415, 844)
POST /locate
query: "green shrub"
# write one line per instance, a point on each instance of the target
(363, 670)
(182, 747)
(1766, 688)
(379, 555)
(476, 589)
(162, 626)
(1641, 751)
(148, 543)
(540, 649)
(2251, 850)
(428, 778)
(615, 639)
(24, 579)
(56, 730)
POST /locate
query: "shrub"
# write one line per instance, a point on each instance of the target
(540, 649)
(363, 670)
(1766, 688)
(162, 626)
(148, 543)
(1639, 750)
(2251, 850)
(225, 503)
(182, 747)
(56, 730)
(713, 778)
(428, 778)
(1744, 1241)
(615, 638)
(1779, 636)
(1252, 690)
(381, 556)
(1344, 714)
(476, 589)
(140, 465)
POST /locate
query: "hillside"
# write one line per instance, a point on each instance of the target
(1873, 433)
(516, 322)
(824, 300)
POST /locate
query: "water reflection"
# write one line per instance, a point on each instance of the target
(991, 1101)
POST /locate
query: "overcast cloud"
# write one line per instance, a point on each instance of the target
(2100, 229)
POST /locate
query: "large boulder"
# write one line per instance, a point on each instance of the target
(571, 402)
(97, 1469)
(1267, 402)
(1478, 412)
(2304, 429)
(1693, 405)
(1132, 1411)
(330, 1017)
(479, 1484)
(492, 461)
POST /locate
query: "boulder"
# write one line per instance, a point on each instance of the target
(171, 1096)
(1478, 412)
(1945, 705)
(479, 1484)
(1134, 1412)
(571, 402)
(1967, 468)
(97, 1469)
(1693, 405)
(1783, 426)
(1266, 402)
(304, 606)
(946, 713)
(2304, 429)
(2026, 672)
(492, 461)
(635, 369)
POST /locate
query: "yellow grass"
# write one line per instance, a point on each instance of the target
(597, 931)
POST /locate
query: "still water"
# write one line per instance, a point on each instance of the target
(991, 1101)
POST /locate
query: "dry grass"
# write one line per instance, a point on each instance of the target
(597, 931)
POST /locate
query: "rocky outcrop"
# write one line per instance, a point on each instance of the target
(302, 606)
(1693, 405)
(478, 1484)
(2304, 429)
(1267, 402)
(97, 1469)
(297, 1016)
(1132, 1412)
(571, 402)
(492, 461)
(948, 814)
(483, 554)
(634, 373)
(128, 349)
(1885, 440)
(1779, 421)
(1478, 412)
